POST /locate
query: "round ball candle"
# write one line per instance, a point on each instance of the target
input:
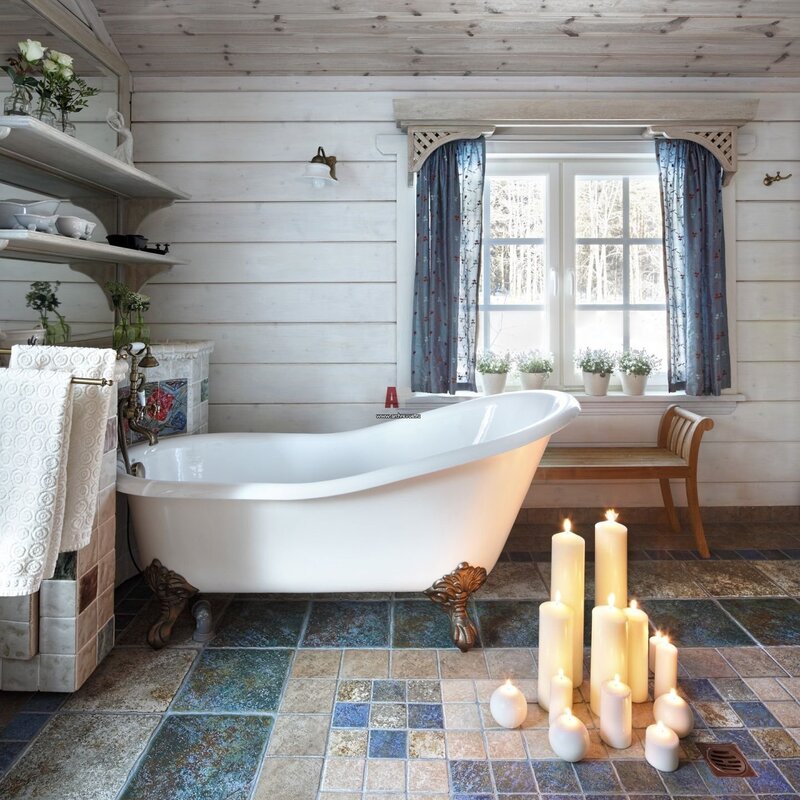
(666, 672)
(611, 560)
(567, 573)
(638, 628)
(568, 737)
(661, 747)
(616, 714)
(655, 640)
(508, 705)
(674, 712)
(560, 695)
(555, 645)
(609, 655)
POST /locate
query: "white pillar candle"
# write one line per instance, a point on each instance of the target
(674, 712)
(567, 570)
(655, 640)
(609, 654)
(508, 705)
(560, 695)
(611, 560)
(666, 672)
(661, 747)
(616, 714)
(637, 652)
(555, 645)
(568, 737)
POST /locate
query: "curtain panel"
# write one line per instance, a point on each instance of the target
(448, 267)
(694, 259)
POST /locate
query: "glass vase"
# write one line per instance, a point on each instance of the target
(57, 332)
(140, 329)
(18, 103)
(64, 123)
(44, 112)
(122, 334)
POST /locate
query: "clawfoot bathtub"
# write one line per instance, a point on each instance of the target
(395, 507)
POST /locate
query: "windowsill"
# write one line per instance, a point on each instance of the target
(614, 402)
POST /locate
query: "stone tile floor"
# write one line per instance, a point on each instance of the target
(363, 698)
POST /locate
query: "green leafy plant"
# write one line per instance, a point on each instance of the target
(129, 307)
(596, 361)
(42, 298)
(24, 65)
(493, 363)
(638, 362)
(533, 361)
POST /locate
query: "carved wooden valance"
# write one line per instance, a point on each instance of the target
(712, 121)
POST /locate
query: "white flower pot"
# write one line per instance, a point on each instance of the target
(596, 385)
(633, 384)
(493, 382)
(532, 380)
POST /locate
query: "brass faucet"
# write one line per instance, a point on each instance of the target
(133, 407)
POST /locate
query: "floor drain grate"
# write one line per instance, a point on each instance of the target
(726, 760)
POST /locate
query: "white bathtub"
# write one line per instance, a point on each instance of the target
(392, 507)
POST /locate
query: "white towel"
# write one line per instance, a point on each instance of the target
(35, 418)
(90, 407)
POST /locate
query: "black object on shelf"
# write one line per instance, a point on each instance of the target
(159, 248)
(133, 241)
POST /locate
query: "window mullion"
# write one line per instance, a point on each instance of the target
(626, 262)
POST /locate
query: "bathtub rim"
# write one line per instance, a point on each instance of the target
(564, 409)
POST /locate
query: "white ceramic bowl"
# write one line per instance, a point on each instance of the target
(89, 230)
(36, 222)
(71, 226)
(8, 209)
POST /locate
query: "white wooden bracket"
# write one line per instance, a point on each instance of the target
(720, 142)
(423, 140)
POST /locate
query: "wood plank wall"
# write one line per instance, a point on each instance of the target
(297, 286)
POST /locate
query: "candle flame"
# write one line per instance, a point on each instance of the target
(673, 692)
(616, 678)
(567, 526)
(558, 597)
(661, 726)
(560, 672)
(508, 681)
(658, 634)
(612, 598)
(611, 515)
(665, 638)
(634, 604)
(568, 712)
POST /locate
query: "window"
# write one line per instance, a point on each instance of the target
(572, 259)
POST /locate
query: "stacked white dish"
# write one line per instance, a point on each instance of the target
(40, 215)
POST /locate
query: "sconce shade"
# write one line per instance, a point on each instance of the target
(321, 169)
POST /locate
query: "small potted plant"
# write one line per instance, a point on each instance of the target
(635, 367)
(493, 368)
(597, 366)
(534, 368)
(42, 298)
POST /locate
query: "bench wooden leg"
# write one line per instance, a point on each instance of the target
(672, 515)
(695, 518)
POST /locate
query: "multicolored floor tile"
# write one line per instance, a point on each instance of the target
(347, 624)
(696, 623)
(255, 623)
(769, 621)
(420, 623)
(507, 623)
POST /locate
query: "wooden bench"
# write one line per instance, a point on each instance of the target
(679, 436)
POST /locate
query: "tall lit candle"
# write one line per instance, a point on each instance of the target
(637, 651)
(666, 672)
(661, 747)
(616, 714)
(611, 560)
(560, 695)
(609, 655)
(674, 712)
(655, 640)
(555, 645)
(567, 572)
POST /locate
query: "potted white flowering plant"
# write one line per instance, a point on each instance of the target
(635, 367)
(22, 68)
(494, 368)
(597, 365)
(534, 368)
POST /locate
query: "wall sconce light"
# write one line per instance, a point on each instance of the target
(321, 169)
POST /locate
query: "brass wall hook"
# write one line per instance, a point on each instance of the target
(770, 179)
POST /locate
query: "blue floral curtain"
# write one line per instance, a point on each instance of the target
(694, 256)
(446, 285)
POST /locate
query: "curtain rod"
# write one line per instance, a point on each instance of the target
(85, 381)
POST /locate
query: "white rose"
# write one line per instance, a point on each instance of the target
(49, 66)
(31, 50)
(66, 73)
(61, 58)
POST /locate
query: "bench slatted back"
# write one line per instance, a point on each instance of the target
(680, 432)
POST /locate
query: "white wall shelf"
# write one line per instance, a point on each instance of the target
(37, 157)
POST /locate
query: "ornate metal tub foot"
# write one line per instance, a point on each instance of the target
(452, 592)
(173, 592)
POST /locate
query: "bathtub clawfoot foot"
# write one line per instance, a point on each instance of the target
(204, 623)
(452, 592)
(173, 592)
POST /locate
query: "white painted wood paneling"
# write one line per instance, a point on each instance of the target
(768, 261)
(777, 300)
(291, 417)
(767, 221)
(750, 180)
(769, 380)
(768, 341)
(774, 140)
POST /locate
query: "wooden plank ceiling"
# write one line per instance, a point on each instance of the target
(457, 37)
